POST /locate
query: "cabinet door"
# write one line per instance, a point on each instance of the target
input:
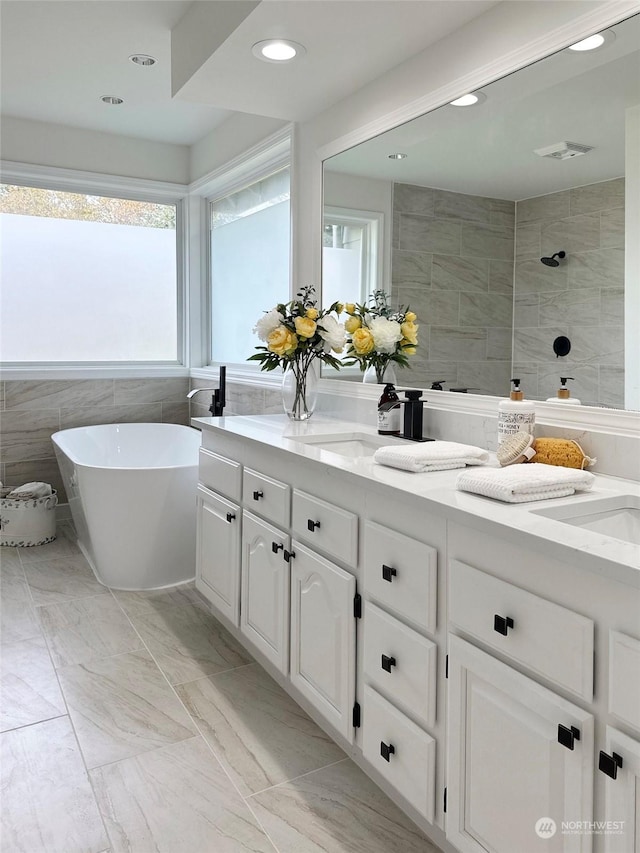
(218, 552)
(323, 636)
(622, 794)
(264, 611)
(510, 782)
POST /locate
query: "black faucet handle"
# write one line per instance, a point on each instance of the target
(413, 394)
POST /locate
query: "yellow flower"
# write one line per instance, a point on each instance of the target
(410, 317)
(409, 350)
(351, 324)
(312, 313)
(305, 327)
(282, 341)
(362, 341)
(350, 308)
(339, 308)
(410, 332)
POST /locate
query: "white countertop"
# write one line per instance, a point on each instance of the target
(596, 552)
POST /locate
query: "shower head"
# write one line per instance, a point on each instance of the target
(551, 262)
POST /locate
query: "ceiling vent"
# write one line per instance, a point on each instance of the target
(563, 150)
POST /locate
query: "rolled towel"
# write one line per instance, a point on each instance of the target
(520, 483)
(430, 456)
(30, 491)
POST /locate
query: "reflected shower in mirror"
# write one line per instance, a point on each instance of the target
(504, 228)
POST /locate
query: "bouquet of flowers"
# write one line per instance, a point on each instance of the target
(378, 336)
(295, 334)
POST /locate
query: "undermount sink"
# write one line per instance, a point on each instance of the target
(352, 444)
(618, 517)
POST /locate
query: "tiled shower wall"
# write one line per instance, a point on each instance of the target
(452, 262)
(32, 410)
(582, 299)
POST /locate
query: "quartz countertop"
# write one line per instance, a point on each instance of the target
(596, 552)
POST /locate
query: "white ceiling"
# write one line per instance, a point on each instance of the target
(60, 56)
(488, 149)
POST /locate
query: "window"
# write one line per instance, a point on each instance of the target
(87, 278)
(351, 261)
(249, 261)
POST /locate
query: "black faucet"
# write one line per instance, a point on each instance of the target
(218, 400)
(413, 412)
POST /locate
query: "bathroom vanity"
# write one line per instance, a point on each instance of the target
(480, 661)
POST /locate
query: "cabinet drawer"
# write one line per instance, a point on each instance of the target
(268, 497)
(220, 474)
(624, 678)
(400, 573)
(400, 664)
(548, 639)
(326, 526)
(400, 751)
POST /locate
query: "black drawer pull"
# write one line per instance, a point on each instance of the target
(609, 763)
(311, 525)
(288, 555)
(502, 624)
(230, 516)
(387, 663)
(386, 750)
(276, 546)
(388, 573)
(567, 735)
(257, 495)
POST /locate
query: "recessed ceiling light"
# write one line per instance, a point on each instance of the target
(109, 99)
(593, 42)
(277, 50)
(397, 156)
(143, 59)
(469, 99)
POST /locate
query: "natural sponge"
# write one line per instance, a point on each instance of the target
(561, 451)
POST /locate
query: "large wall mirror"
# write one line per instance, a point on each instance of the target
(504, 228)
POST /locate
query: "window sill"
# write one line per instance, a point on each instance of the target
(131, 371)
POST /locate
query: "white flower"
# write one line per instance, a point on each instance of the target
(267, 323)
(332, 333)
(386, 334)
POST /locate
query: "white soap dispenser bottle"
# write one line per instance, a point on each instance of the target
(515, 414)
(564, 395)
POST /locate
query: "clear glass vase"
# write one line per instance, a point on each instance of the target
(300, 389)
(381, 374)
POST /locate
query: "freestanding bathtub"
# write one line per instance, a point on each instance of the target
(131, 490)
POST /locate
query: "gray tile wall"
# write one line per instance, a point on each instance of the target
(32, 410)
(452, 262)
(583, 298)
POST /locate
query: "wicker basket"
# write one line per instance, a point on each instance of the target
(27, 523)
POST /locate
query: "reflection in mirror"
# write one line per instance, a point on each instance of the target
(472, 225)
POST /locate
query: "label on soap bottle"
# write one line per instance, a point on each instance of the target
(389, 421)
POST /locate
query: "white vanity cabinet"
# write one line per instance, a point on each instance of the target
(218, 552)
(619, 765)
(518, 753)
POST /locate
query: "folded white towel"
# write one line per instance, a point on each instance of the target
(530, 482)
(30, 491)
(430, 456)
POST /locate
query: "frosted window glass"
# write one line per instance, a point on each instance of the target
(249, 266)
(87, 291)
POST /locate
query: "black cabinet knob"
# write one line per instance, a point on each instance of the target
(386, 750)
(288, 555)
(501, 624)
(276, 546)
(230, 516)
(388, 573)
(387, 663)
(258, 495)
(311, 525)
(567, 735)
(609, 763)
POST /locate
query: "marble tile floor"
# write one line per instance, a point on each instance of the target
(135, 722)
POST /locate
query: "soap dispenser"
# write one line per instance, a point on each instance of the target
(388, 413)
(564, 395)
(515, 414)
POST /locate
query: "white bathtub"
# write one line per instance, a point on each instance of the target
(132, 495)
